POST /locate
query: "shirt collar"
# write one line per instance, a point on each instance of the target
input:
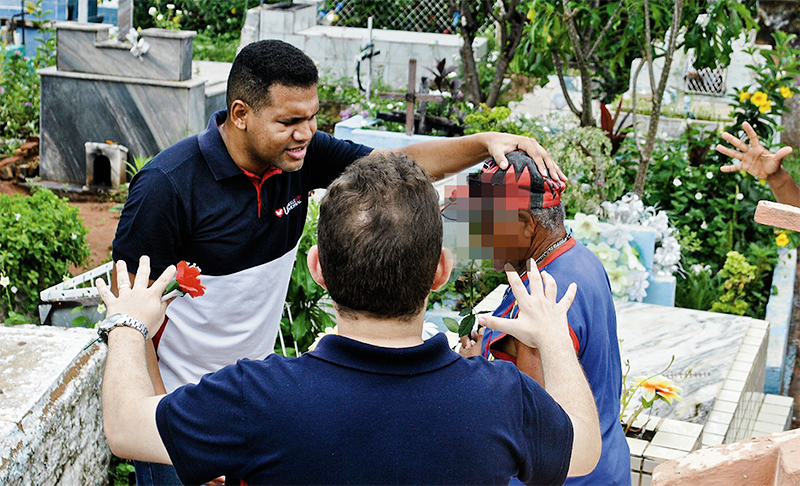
(431, 355)
(215, 152)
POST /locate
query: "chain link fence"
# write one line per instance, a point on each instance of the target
(406, 15)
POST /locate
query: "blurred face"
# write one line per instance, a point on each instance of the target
(278, 134)
(487, 224)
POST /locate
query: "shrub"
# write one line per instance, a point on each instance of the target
(40, 236)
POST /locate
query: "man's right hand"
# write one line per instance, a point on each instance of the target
(541, 319)
(755, 158)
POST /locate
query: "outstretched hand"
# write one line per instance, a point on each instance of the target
(541, 320)
(501, 144)
(754, 158)
(140, 301)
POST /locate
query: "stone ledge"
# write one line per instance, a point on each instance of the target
(50, 413)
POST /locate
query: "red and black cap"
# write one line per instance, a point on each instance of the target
(520, 186)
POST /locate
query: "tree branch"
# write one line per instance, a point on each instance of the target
(560, 73)
(648, 45)
(605, 29)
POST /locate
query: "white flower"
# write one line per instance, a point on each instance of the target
(739, 196)
(704, 225)
(322, 334)
(13, 290)
(585, 187)
(698, 196)
(160, 17)
(152, 11)
(587, 227)
(617, 237)
(607, 255)
(677, 182)
(630, 257)
(709, 175)
(73, 236)
(171, 6)
(4, 281)
(17, 216)
(638, 288)
(619, 279)
(698, 268)
(101, 308)
(179, 12)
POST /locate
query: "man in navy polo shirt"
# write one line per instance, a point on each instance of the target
(375, 404)
(233, 201)
(524, 221)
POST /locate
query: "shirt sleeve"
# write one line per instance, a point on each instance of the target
(328, 157)
(152, 223)
(547, 434)
(204, 428)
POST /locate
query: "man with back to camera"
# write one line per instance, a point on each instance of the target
(233, 201)
(375, 404)
(524, 220)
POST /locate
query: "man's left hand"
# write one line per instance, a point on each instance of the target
(500, 144)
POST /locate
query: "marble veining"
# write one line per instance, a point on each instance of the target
(704, 344)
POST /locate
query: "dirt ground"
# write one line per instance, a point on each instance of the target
(98, 219)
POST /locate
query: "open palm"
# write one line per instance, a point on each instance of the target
(754, 158)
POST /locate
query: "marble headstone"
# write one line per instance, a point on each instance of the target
(124, 18)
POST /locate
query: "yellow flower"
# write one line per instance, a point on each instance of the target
(782, 239)
(233, 10)
(765, 107)
(659, 387)
(30, 7)
(744, 96)
(759, 98)
(786, 92)
(531, 15)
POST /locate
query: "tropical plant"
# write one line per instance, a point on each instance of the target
(775, 71)
(307, 314)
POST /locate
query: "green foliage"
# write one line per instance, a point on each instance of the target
(40, 236)
(305, 296)
(165, 16)
(713, 212)
(737, 273)
(775, 70)
(121, 472)
(19, 83)
(215, 47)
(581, 152)
(617, 35)
(212, 16)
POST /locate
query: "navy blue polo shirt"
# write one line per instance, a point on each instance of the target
(193, 203)
(352, 413)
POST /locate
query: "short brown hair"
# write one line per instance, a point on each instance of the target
(380, 237)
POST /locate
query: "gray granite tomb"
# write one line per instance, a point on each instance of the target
(99, 92)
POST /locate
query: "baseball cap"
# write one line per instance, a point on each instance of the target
(520, 186)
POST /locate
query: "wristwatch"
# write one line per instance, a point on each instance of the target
(118, 320)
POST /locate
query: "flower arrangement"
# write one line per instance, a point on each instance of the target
(631, 210)
(612, 245)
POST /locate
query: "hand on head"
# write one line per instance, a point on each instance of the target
(138, 301)
(502, 144)
(541, 320)
(754, 158)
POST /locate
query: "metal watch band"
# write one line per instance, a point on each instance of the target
(119, 321)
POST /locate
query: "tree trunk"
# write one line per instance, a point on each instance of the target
(646, 154)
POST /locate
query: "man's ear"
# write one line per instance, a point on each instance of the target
(443, 269)
(238, 114)
(526, 222)
(314, 267)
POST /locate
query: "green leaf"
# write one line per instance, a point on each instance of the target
(451, 324)
(466, 325)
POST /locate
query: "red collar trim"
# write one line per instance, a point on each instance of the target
(260, 179)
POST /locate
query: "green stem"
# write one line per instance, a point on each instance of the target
(174, 285)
